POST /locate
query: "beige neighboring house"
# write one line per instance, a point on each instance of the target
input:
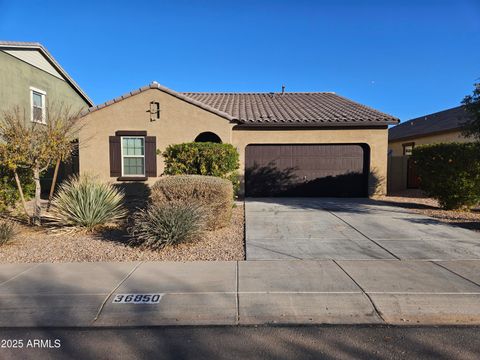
(440, 127)
(290, 144)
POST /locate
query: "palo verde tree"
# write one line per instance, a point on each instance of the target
(472, 103)
(36, 146)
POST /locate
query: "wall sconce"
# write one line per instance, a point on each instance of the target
(154, 110)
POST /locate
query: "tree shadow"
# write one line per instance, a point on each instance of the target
(270, 181)
(137, 196)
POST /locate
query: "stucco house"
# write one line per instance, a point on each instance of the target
(30, 78)
(440, 127)
(302, 144)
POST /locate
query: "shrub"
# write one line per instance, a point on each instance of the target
(7, 231)
(168, 224)
(215, 195)
(85, 202)
(206, 158)
(9, 194)
(450, 173)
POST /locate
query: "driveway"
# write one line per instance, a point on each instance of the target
(350, 229)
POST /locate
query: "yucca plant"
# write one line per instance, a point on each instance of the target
(84, 202)
(167, 224)
(7, 231)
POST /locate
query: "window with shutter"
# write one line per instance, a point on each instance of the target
(133, 155)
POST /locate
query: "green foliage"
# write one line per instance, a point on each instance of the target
(472, 103)
(167, 224)
(206, 158)
(213, 194)
(450, 173)
(9, 194)
(7, 231)
(86, 203)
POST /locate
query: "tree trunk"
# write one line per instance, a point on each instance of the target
(37, 210)
(54, 182)
(20, 190)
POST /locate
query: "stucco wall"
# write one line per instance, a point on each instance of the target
(16, 78)
(179, 122)
(455, 136)
(182, 122)
(376, 139)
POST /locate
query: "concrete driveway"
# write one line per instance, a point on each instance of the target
(350, 229)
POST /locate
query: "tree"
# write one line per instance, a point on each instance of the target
(472, 103)
(36, 146)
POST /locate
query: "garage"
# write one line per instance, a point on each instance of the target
(306, 170)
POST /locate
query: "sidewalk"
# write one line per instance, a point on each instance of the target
(246, 292)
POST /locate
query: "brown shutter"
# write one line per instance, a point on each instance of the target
(115, 156)
(150, 156)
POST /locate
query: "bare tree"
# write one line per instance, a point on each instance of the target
(36, 146)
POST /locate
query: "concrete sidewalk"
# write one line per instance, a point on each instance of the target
(246, 292)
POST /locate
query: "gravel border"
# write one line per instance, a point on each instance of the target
(416, 201)
(38, 245)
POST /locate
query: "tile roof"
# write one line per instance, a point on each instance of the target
(293, 109)
(50, 58)
(276, 109)
(446, 120)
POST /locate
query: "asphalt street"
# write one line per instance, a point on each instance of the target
(263, 342)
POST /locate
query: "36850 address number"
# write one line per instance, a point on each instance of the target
(137, 298)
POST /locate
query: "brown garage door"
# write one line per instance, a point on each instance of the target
(306, 170)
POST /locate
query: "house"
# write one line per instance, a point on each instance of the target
(290, 144)
(30, 80)
(440, 127)
(30, 77)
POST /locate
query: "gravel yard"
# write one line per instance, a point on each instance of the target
(37, 245)
(419, 203)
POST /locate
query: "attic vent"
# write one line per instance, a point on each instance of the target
(154, 110)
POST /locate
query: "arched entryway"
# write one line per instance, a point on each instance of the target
(208, 136)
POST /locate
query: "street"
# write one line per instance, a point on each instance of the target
(263, 342)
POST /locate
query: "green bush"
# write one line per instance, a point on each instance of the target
(172, 223)
(207, 158)
(213, 194)
(85, 202)
(9, 194)
(7, 231)
(450, 173)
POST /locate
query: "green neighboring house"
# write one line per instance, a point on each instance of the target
(30, 78)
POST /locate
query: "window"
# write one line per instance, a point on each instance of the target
(408, 148)
(133, 156)
(208, 136)
(38, 105)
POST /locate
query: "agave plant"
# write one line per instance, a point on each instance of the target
(167, 224)
(87, 203)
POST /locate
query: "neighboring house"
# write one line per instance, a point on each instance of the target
(30, 78)
(303, 144)
(440, 127)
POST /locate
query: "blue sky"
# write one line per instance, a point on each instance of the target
(407, 58)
